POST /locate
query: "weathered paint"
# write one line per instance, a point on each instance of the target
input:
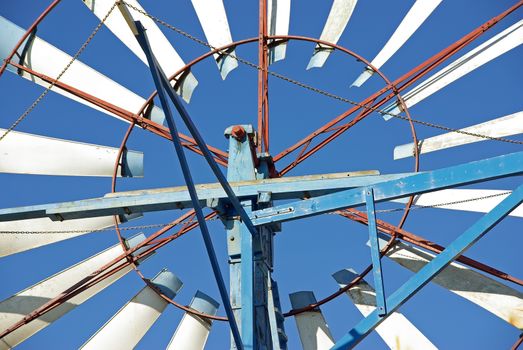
(12, 242)
(417, 14)
(430, 270)
(468, 173)
(192, 331)
(495, 297)
(278, 17)
(213, 19)
(396, 331)
(500, 127)
(167, 57)
(24, 153)
(484, 53)
(22, 303)
(312, 327)
(339, 16)
(125, 329)
(49, 60)
(464, 200)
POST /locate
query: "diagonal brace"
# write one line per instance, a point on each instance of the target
(156, 73)
(429, 271)
(375, 253)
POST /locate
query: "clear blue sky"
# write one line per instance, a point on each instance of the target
(308, 251)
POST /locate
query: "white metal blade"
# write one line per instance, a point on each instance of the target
(278, 19)
(312, 327)
(500, 127)
(486, 52)
(499, 299)
(396, 331)
(465, 200)
(46, 59)
(21, 304)
(192, 331)
(167, 57)
(125, 329)
(12, 243)
(339, 16)
(417, 14)
(23, 153)
(213, 19)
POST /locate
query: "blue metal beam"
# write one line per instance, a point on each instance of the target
(156, 73)
(375, 253)
(420, 279)
(463, 174)
(178, 197)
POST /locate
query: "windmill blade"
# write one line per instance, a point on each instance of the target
(417, 14)
(396, 331)
(464, 199)
(125, 329)
(213, 19)
(278, 16)
(24, 153)
(16, 237)
(193, 331)
(499, 299)
(312, 327)
(339, 16)
(167, 57)
(21, 304)
(486, 52)
(500, 127)
(46, 59)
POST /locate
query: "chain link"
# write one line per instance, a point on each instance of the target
(46, 91)
(108, 229)
(314, 89)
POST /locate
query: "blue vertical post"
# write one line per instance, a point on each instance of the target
(423, 276)
(375, 252)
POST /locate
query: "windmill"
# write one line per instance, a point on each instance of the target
(257, 200)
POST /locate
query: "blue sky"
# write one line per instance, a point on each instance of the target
(306, 251)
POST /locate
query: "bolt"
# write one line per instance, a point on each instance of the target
(238, 133)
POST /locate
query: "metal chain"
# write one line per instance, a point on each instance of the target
(46, 91)
(126, 228)
(414, 207)
(314, 89)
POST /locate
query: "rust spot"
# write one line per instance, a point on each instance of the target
(238, 133)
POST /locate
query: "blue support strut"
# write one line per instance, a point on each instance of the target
(155, 71)
(420, 279)
(375, 253)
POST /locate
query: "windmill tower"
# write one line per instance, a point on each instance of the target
(251, 194)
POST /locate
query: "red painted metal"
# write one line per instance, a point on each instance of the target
(263, 81)
(413, 75)
(160, 130)
(27, 33)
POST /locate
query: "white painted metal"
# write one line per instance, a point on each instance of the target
(12, 243)
(213, 19)
(312, 327)
(278, 19)
(339, 16)
(502, 301)
(489, 50)
(460, 195)
(417, 14)
(46, 59)
(192, 331)
(125, 329)
(21, 304)
(500, 127)
(396, 331)
(23, 153)
(168, 59)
